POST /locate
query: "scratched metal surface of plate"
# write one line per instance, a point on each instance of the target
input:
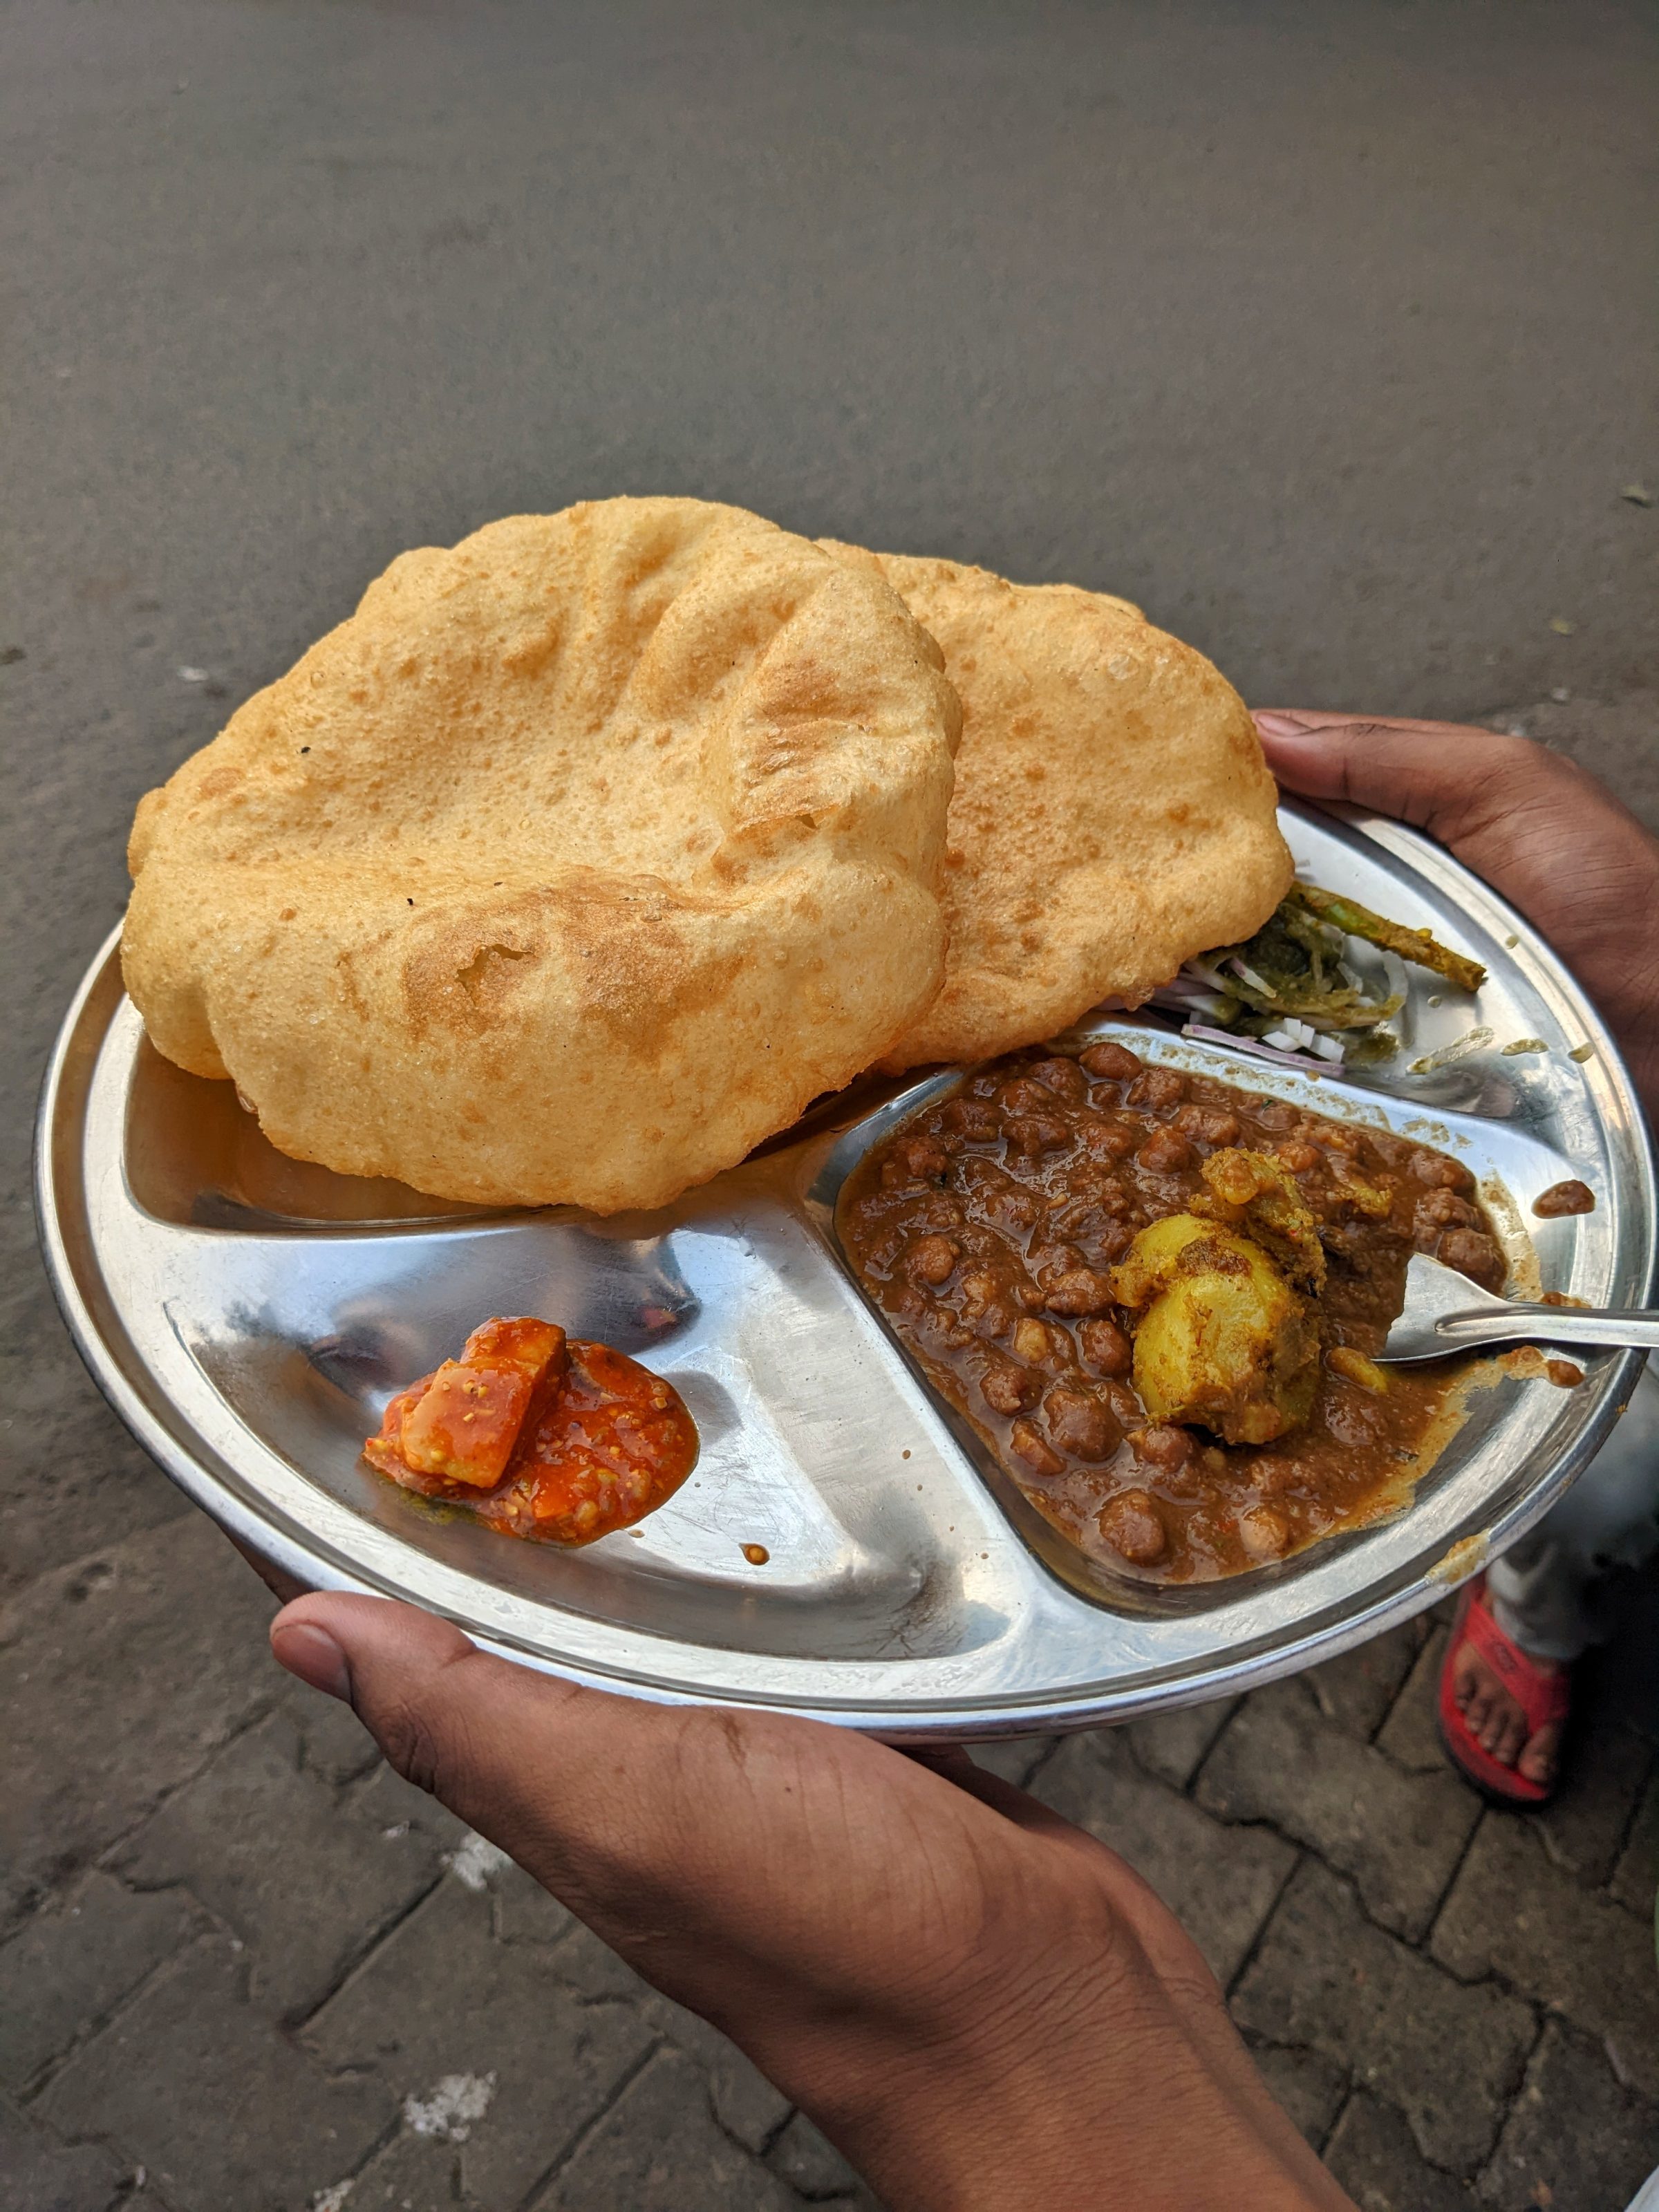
(248, 1317)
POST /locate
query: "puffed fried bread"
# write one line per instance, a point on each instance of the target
(1112, 814)
(572, 865)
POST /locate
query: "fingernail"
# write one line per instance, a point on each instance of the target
(1281, 726)
(313, 1655)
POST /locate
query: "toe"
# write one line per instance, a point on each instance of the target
(1541, 1754)
(1510, 1736)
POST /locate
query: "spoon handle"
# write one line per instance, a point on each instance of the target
(1616, 1325)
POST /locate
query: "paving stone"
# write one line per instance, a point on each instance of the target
(38, 2173)
(741, 2099)
(1574, 2137)
(1372, 2154)
(334, 1743)
(1309, 2087)
(69, 1966)
(1221, 1881)
(1583, 1829)
(1511, 1912)
(1448, 2055)
(1400, 1835)
(1357, 1689)
(121, 1676)
(411, 2173)
(524, 1911)
(1596, 733)
(1016, 1757)
(439, 2000)
(1411, 1734)
(1634, 1877)
(814, 2168)
(306, 1878)
(199, 2086)
(69, 1466)
(385, 1803)
(1171, 1745)
(658, 2149)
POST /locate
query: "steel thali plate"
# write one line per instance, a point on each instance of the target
(248, 1317)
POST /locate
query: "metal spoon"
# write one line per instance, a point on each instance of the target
(1445, 1312)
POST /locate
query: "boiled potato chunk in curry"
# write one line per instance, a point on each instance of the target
(1221, 1339)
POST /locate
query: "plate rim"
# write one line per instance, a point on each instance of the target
(926, 1719)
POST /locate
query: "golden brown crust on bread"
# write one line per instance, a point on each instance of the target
(1112, 816)
(576, 862)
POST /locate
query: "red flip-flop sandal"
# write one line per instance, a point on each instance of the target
(1543, 1697)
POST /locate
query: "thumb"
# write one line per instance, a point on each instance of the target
(540, 1766)
(1464, 786)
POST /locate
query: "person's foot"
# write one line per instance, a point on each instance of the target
(1497, 1721)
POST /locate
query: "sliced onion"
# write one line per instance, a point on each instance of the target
(1255, 1045)
(1190, 998)
(1251, 976)
(1212, 977)
(1394, 968)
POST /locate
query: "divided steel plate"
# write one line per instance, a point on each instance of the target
(248, 1317)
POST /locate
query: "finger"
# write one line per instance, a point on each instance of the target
(1453, 781)
(619, 1806)
(540, 1764)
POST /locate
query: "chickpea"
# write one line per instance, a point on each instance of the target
(975, 1120)
(1023, 1437)
(1031, 1133)
(1105, 1346)
(1107, 1141)
(1474, 1254)
(1209, 1125)
(1166, 1152)
(1132, 1526)
(1009, 1390)
(1032, 1342)
(1163, 1446)
(1159, 1088)
(1078, 1291)
(1111, 1062)
(1063, 1076)
(1441, 1208)
(931, 1260)
(1264, 1531)
(1080, 1423)
(1435, 1168)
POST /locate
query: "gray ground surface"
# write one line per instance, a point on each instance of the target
(1321, 329)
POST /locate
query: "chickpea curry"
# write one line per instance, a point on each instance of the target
(539, 1434)
(1156, 1297)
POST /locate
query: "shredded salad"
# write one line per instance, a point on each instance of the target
(1291, 992)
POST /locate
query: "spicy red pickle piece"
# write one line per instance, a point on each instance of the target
(463, 1423)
